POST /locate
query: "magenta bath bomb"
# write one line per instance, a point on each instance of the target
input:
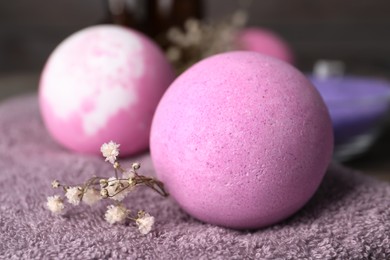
(103, 83)
(266, 42)
(241, 140)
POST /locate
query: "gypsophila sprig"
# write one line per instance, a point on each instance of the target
(110, 151)
(116, 214)
(199, 39)
(74, 195)
(91, 196)
(145, 222)
(55, 204)
(55, 184)
(115, 188)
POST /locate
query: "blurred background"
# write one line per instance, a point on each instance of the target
(353, 32)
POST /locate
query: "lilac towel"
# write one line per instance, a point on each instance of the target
(348, 218)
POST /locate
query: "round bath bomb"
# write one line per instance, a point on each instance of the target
(103, 83)
(241, 140)
(264, 41)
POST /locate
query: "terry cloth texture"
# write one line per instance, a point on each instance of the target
(348, 218)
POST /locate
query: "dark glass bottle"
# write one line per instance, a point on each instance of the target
(153, 17)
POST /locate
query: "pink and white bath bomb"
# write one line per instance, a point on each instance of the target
(103, 83)
(264, 41)
(241, 140)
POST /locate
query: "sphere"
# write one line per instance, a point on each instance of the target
(241, 140)
(264, 41)
(103, 83)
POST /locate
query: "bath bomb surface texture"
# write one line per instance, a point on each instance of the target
(241, 140)
(266, 42)
(103, 83)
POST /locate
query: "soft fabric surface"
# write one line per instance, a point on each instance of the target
(348, 218)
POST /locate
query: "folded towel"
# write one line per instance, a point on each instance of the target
(348, 217)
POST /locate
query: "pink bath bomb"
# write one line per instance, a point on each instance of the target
(241, 140)
(103, 83)
(264, 41)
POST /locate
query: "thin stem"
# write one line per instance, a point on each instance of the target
(116, 173)
(90, 182)
(124, 188)
(150, 182)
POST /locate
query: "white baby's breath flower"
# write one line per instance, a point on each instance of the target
(110, 151)
(145, 223)
(55, 204)
(116, 214)
(117, 189)
(55, 184)
(91, 196)
(73, 194)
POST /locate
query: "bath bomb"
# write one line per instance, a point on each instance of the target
(103, 83)
(241, 140)
(264, 41)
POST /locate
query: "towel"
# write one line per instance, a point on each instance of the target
(347, 218)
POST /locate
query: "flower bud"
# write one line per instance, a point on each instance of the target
(136, 166)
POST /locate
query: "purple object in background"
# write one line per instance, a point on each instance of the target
(357, 106)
